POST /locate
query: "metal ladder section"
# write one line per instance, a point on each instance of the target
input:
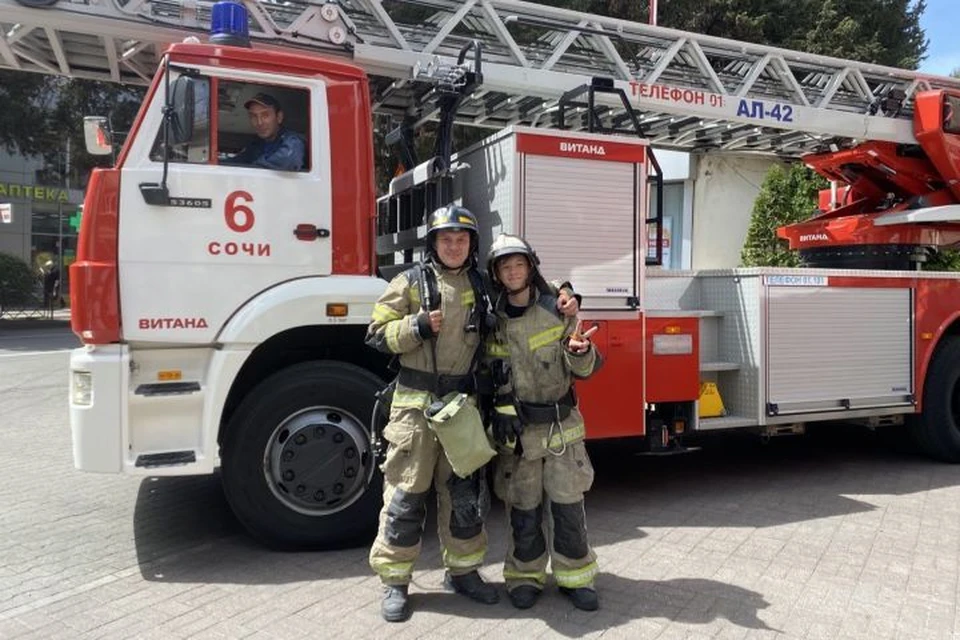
(689, 91)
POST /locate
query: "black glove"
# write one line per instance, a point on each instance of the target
(506, 427)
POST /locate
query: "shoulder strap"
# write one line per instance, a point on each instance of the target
(549, 302)
(426, 280)
(481, 296)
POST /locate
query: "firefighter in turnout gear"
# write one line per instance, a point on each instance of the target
(542, 470)
(428, 317)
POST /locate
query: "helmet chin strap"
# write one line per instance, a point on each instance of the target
(514, 292)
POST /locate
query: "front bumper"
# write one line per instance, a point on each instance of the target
(97, 390)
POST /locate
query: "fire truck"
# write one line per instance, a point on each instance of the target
(222, 308)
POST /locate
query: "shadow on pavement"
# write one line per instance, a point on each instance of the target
(737, 480)
(36, 335)
(185, 532)
(622, 602)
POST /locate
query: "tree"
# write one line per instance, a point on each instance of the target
(788, 195)
(76, 98)
(17, 282)
(42, 112)
(22, 120)
(884, 32)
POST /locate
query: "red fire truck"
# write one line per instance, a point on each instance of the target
(222, 307)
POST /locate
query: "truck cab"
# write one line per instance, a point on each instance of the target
(222, 299)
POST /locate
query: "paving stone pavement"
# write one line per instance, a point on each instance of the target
(834, 536)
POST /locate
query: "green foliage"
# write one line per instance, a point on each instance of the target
(42, 112)
(881, 31)
(77, 98)
(17, 282)
(943, 260)
(22, 119)
(788, 195)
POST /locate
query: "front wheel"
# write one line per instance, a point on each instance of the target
(937, 429)
(298, 467)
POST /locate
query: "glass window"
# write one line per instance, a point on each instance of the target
(263, 126)
(197, 148)
(951, 114)
(53, 218)
(672, 224)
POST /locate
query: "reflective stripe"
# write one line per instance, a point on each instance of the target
(575, 578)
(393, 569)
(410, 399)
(497, 349)
(383, 313)
(567, 435)
(414, 295)
(507, 409)
(467, 298)
(393, 336)
(462, 562)
(538, 576)
(542, 339)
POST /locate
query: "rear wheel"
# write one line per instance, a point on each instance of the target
(937, 429)
(298, 467)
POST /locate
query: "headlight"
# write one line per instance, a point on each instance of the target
(672, 345)
(81, 391)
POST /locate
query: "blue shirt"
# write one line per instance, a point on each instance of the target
(285, 152)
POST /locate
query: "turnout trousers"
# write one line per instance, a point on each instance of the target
(546, 517)
(415, 461)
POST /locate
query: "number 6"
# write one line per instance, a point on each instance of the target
(232, 211)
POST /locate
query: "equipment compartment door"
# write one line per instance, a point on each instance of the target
(582, 217)
(838, 349)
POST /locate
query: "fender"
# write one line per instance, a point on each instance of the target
(291, 304)
(925, 351)
(298, 303)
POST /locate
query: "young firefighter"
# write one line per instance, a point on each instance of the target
(534, 355)
(431, 316)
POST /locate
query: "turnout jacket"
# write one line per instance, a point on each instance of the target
(394, 330)
(541, 368)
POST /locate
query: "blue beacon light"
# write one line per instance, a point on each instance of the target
(228, 24)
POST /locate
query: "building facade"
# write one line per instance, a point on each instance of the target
(38, 220)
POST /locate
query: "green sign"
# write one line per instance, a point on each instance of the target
(33, 192)
(75, 219)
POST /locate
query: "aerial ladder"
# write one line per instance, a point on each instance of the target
(690, 91)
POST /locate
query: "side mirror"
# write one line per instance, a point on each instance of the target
(182, 102)
(97, 136)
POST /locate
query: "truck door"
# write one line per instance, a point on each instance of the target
(237, 191)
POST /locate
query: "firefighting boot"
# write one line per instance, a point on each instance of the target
(583, 598)
(396, 603)
(524, 596)
(473, 586)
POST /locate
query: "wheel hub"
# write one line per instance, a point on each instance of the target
(318, 461)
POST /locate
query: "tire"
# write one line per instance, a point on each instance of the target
(937, 429)
(297, 464)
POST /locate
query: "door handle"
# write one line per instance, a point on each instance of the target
(309, 232)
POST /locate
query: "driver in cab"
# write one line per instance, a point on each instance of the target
(275, 147)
